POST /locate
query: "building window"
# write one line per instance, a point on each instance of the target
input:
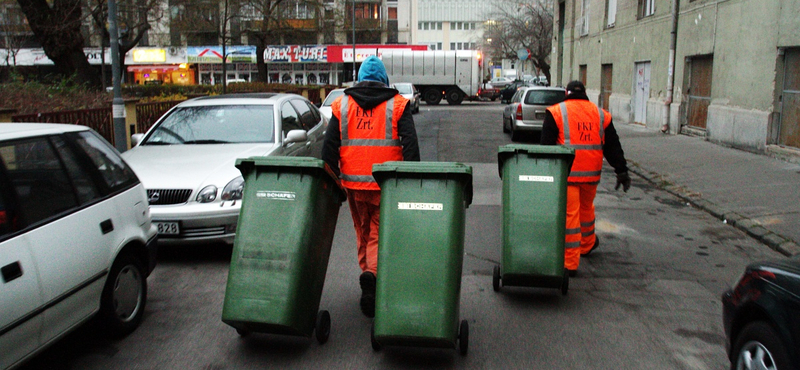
(425, 25)
(393, 13)
(452, 25)
(611, 13)
(452, 46)
(584, 21)
(419, 25)
(458, 46)
(439, 26)
(472, 46)
(438, 46)
(646, 8)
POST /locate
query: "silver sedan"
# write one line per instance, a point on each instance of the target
(186, 161)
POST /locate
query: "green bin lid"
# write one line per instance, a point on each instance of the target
(536, 151)
(245, 165)
(444, 170)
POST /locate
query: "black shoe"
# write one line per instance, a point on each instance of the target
(367, 281)
(572, 273)
(596, 244)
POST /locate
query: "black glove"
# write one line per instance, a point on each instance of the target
(625, 180)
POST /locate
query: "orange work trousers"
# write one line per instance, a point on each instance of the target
(580, 223)
(365, 209)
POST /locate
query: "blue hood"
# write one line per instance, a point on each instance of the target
(373, 70)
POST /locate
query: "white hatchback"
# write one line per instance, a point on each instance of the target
(76, 239)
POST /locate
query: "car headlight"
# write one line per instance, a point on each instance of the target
(208, 194)
(233, 190)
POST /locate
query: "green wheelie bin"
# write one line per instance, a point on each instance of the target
(420, 254)
(534, 216)
(283, 241)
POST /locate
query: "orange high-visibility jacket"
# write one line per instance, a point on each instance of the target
(582, 132)
(368, 137)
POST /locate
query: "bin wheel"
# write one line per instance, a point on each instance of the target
(243, 332)
(496, 279)
(322, 328)
(375, 345)
(565, 283)
(463, 338)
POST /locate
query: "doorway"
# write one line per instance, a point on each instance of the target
(789, 131)
(605, 86)
(698, 90)
(641, 92)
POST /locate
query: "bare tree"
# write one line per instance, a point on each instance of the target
(13, 33)
(56, 25)
(133, 19)
(522, 25)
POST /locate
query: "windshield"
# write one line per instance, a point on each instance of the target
(544, 97)
(219, 124)
(404, 88)
(331, 97)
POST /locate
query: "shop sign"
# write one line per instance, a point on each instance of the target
(296, 53)
(149, 55)
(213, 54)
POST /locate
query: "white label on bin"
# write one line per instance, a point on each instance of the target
(276, 195)
(420, 206)
(536, 178)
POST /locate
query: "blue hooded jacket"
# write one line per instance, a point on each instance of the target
(372, 69)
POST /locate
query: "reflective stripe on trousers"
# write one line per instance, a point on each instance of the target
(580, 234)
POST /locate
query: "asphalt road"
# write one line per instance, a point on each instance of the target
(647, 299)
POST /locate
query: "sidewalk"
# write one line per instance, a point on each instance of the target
(755, 193)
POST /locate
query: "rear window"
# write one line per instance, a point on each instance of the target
(544, 97)
(404, 89)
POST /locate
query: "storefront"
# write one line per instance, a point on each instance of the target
(319, 64)
(240, 64)
(156, 66)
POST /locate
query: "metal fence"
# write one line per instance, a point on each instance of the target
(99, 119)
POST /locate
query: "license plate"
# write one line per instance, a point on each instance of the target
(168, 228)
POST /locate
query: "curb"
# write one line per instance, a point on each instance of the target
(779, 243)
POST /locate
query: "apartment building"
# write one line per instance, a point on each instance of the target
(449, 24)
(726, 70)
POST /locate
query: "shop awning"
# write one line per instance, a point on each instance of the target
(150, 68)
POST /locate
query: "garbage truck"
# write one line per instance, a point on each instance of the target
(452, 74)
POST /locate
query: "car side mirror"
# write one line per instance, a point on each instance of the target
(136, 139)
(296, 136)
(318, 104)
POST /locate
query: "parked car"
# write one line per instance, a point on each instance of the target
(325, 108)
(76, 239)
(527, 109)
(508, 92)
(487, 91)
(409, 91)
(761, 316)
(186, 161)
(500, 82)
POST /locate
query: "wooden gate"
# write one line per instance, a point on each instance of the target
(790, 99)
(699, 90)
(605, 86)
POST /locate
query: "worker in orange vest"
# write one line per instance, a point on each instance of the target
(371, 123)
(580, 124)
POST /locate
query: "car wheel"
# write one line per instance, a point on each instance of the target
(433, 96)
(124, 296)
(454, 97)
(505, 127)
(515, 135)
(758, 347)
(493, 99)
